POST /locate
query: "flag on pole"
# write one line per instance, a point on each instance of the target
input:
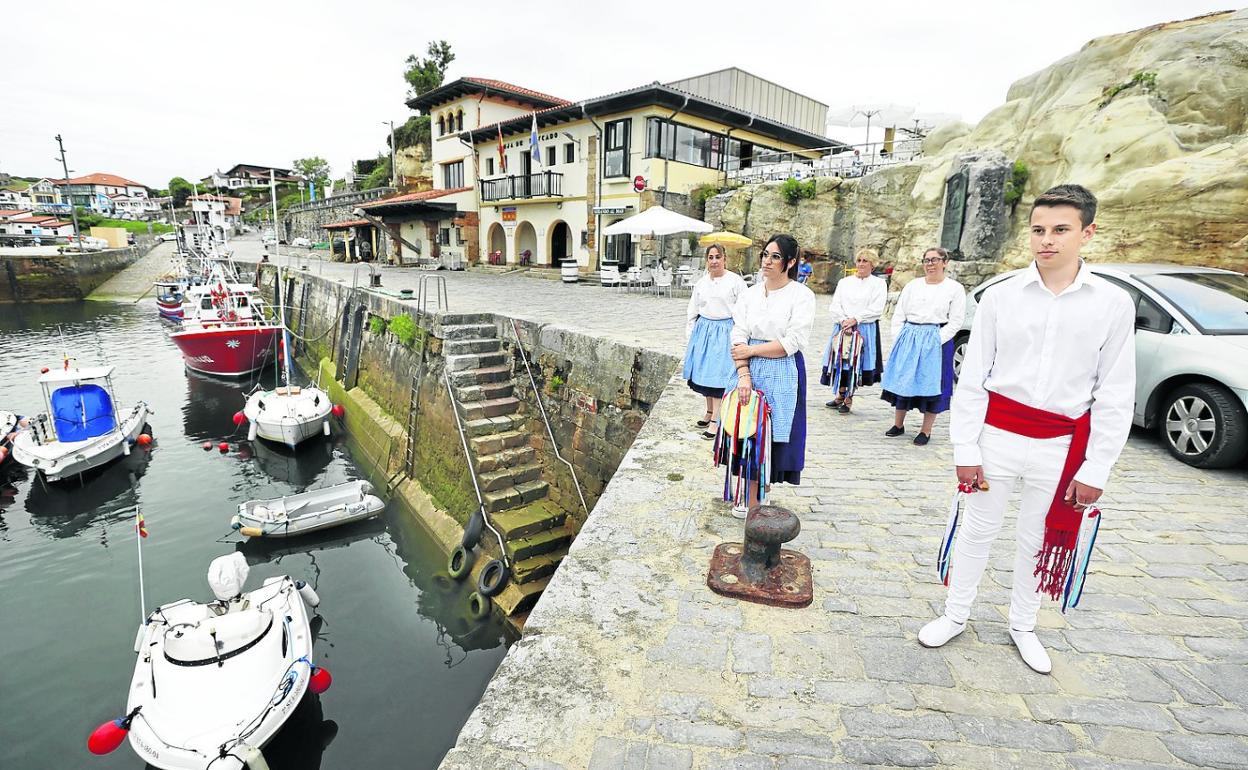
(142, 524)
(502, 155)
(534, 149)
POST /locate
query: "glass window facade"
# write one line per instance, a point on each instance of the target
(699, 147)
(453, 175)
(617, 141)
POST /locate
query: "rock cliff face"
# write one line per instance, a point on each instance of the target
(1155, 122)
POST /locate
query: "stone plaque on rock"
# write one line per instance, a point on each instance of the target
(955, 210)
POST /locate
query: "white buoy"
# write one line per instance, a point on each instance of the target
(235, 522)
(251, 431)
(125, 447)
(325, 427)
(308, 593)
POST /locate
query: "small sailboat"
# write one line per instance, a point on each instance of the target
(217, 681)
(288, 414)
(83, 427)
(309, 511)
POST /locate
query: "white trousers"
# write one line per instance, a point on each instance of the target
(1008, 458)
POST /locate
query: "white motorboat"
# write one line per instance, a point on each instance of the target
(83, 427)
(10, 425)
(309, 511)
(214, 682)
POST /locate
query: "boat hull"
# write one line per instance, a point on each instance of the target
(169, 309)
(289, 419)
(198, 708)
(310, 511)
(232, 351)
(60, 460)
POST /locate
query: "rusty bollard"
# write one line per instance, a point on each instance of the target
(760, 570)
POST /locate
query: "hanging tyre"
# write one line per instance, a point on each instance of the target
(492, 578)
(460, 563)
(479, 606)
(472, 532)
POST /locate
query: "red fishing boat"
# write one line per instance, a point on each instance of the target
(226, 330)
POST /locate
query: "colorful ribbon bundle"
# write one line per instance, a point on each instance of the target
(845, 357)
(1077, 568)
(743, 443)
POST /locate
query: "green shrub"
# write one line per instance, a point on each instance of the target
(794, 190)
(404, 328)
(1147, 81)
(556, 382)
(1016, 183)
(703, 193)
(376, 324)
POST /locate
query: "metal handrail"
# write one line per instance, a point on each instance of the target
(549, 431)
(422, 294)
(472, 469)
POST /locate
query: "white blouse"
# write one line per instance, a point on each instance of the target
(786, 314)
(713, 298)
(931, 303)
(862, 299)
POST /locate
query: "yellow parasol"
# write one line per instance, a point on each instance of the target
(727, 239)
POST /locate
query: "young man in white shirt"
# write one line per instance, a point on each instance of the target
(1045, 396)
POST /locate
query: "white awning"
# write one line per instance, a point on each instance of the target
(657, 220)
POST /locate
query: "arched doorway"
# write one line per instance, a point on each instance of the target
(526, 240)
(498, 245)
(560, 243)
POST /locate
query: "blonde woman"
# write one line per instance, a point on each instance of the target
(857, 303)
(708, 329)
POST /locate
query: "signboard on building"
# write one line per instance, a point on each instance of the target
(509, 213)
(611, 209)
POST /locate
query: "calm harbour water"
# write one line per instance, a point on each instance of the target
(408, 664)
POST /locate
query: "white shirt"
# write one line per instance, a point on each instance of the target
(931, 303)
(786, 314)
(713, 298)
(1064, 353)
(862, 299)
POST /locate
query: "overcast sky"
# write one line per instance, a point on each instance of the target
(152, 90)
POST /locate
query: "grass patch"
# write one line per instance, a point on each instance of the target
(87, 221)
(404, 329)
(1144, 80)
(794, 190)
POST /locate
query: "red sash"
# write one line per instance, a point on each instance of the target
(1061, 524)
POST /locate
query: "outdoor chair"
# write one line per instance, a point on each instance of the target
(663, 281)
(632, 278)
(645, 277)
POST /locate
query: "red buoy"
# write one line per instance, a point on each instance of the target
(108, 736)
(338, 411)
(321, 680)
(144, 439)
(43, 370)
(207, 445)
(239, 418)
(4, 452)
(224, 447)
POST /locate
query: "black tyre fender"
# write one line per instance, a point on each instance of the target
(492, 578)
(472, 531)
(479, 606)
(1230, 438)
(459, 563)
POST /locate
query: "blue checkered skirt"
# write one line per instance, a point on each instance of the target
(920, 370)
(708, 358)
(783, 383)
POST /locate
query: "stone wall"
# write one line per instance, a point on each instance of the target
(308, 219)
(61, 277)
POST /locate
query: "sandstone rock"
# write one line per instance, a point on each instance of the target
(986, 217)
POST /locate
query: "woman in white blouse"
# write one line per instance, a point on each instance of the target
(919, 374)
(857, 305)
(772, 321)
(708, 360)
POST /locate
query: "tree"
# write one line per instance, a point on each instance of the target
(180, 189)
(315, 169)
(424, 75)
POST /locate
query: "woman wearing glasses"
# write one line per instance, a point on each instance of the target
(919, 374)
(708, 363)
(772, 321)
(857, 303)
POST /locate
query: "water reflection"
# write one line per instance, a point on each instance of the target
(300, 468)
(107, 494)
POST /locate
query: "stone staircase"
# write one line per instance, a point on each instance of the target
(535, 531)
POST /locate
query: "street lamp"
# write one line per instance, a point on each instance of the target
(574, 139)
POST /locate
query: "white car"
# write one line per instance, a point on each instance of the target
(301, 243)
(167, 237)
(1191, 355)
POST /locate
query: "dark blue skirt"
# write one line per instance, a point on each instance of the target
(929, 404)
(788, 458)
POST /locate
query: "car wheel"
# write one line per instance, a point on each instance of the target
(959, 353)
(1204, 425)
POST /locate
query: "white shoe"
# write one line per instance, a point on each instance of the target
(939, 631)
(740, 511)
(1032, 650)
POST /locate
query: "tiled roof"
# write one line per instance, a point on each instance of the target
(13, 212)
(503, 85)
(105, 179)
(424, 195)
(346, 224)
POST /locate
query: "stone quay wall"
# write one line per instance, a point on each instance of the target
(61, 277)
(307, 219)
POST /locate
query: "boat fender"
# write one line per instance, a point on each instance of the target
(109, 735)
(472, 531)
(125, 447)
(250, 756)
(320, 681)
(235, 522)
(325, 427)
(308, 593)
(366, 489)
(459, 564)
(492, 578)
(251, 532)
(252, 431)
(239, 418)
(479, 606)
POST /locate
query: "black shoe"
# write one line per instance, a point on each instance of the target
(843, 409)
(894, 431)
(834, 403)
(921, 439)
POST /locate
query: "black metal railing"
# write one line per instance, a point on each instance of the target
(543, 184)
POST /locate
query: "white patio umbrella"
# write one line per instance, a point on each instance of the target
(865, 114)
(657, 220)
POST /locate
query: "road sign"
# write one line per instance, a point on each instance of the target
(639, 183)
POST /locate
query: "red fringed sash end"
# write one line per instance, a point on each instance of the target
(1053, 561)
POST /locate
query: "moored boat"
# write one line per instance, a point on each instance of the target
(225, 329)
(10, 425)
(309, 511)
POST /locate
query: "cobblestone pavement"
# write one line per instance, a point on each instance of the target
(629, 661)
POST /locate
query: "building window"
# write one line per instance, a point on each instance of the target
(616, 157)
(459, 236)
(618, 249)
(453, 175)
(459, 121)
(441, 125)
(569, 153)
(444, 236)
(489, 167)
(550, 156)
